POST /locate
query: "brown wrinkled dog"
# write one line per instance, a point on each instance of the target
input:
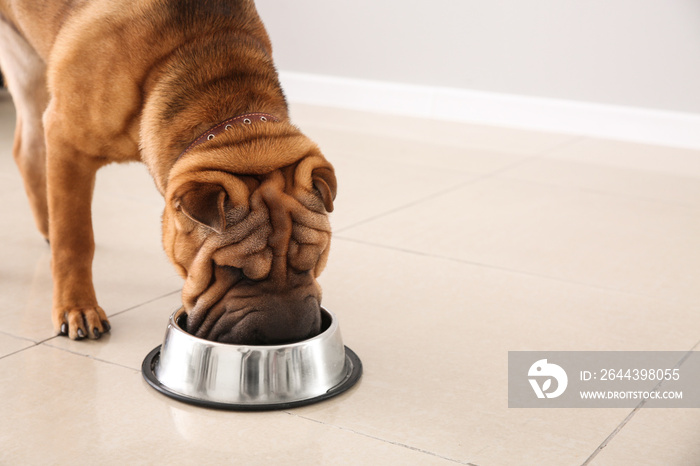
(245, 219)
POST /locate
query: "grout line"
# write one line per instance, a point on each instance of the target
(506, 269)
(339, 128)
(603, 192)
(34, 345)
(569, 142)
(474, 180)
(410, 204)
(2, 332)
(53, 337)
(695, 346)
(381, 439)
(547, 154)
(508, 167)
(503, 170)
(145, 302)
(91, 357)
(629, 417)
(48, 339)
(614, 433)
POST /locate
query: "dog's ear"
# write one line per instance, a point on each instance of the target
(204, 203)
(324, 182)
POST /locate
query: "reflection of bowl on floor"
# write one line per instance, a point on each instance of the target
(251, 377)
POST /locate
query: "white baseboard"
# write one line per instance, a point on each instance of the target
(633, 124)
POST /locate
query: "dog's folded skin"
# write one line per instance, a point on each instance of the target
(245, 219)
(253, 236)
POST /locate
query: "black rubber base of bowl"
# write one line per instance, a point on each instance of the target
(353, 375)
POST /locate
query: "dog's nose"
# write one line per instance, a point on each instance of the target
(277, 321)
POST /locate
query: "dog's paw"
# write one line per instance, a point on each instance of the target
(81, 323)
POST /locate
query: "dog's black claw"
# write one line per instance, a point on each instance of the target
(81, 334)
(64, 329)
(106, 326)
(96, 332)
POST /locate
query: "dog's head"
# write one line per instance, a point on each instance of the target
(246, 224)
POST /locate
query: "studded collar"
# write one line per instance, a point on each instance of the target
(211, 133)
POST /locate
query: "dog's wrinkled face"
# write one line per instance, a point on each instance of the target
(250, 244)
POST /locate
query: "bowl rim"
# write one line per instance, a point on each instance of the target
(332, 328)
(353, 373)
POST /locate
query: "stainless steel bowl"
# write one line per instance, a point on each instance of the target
(251, 377)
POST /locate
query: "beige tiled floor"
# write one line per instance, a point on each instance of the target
(454, 244)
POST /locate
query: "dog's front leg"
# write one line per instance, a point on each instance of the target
(70, 183)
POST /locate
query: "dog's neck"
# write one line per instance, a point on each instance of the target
(212, 133)
(188, 96)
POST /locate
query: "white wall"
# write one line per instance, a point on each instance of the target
(637, 53)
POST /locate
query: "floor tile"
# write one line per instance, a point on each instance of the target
(654, 437)
(659, 159)
(128, 256)
(115, 418)
(369, 189)
(134, 334)
(10, 344)
(25, 276)
(625, 182)
(373, 148)
(433, 335)
(454, 244)
(489, 138)
(564, 233)
(10, 181)
(130, 181)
